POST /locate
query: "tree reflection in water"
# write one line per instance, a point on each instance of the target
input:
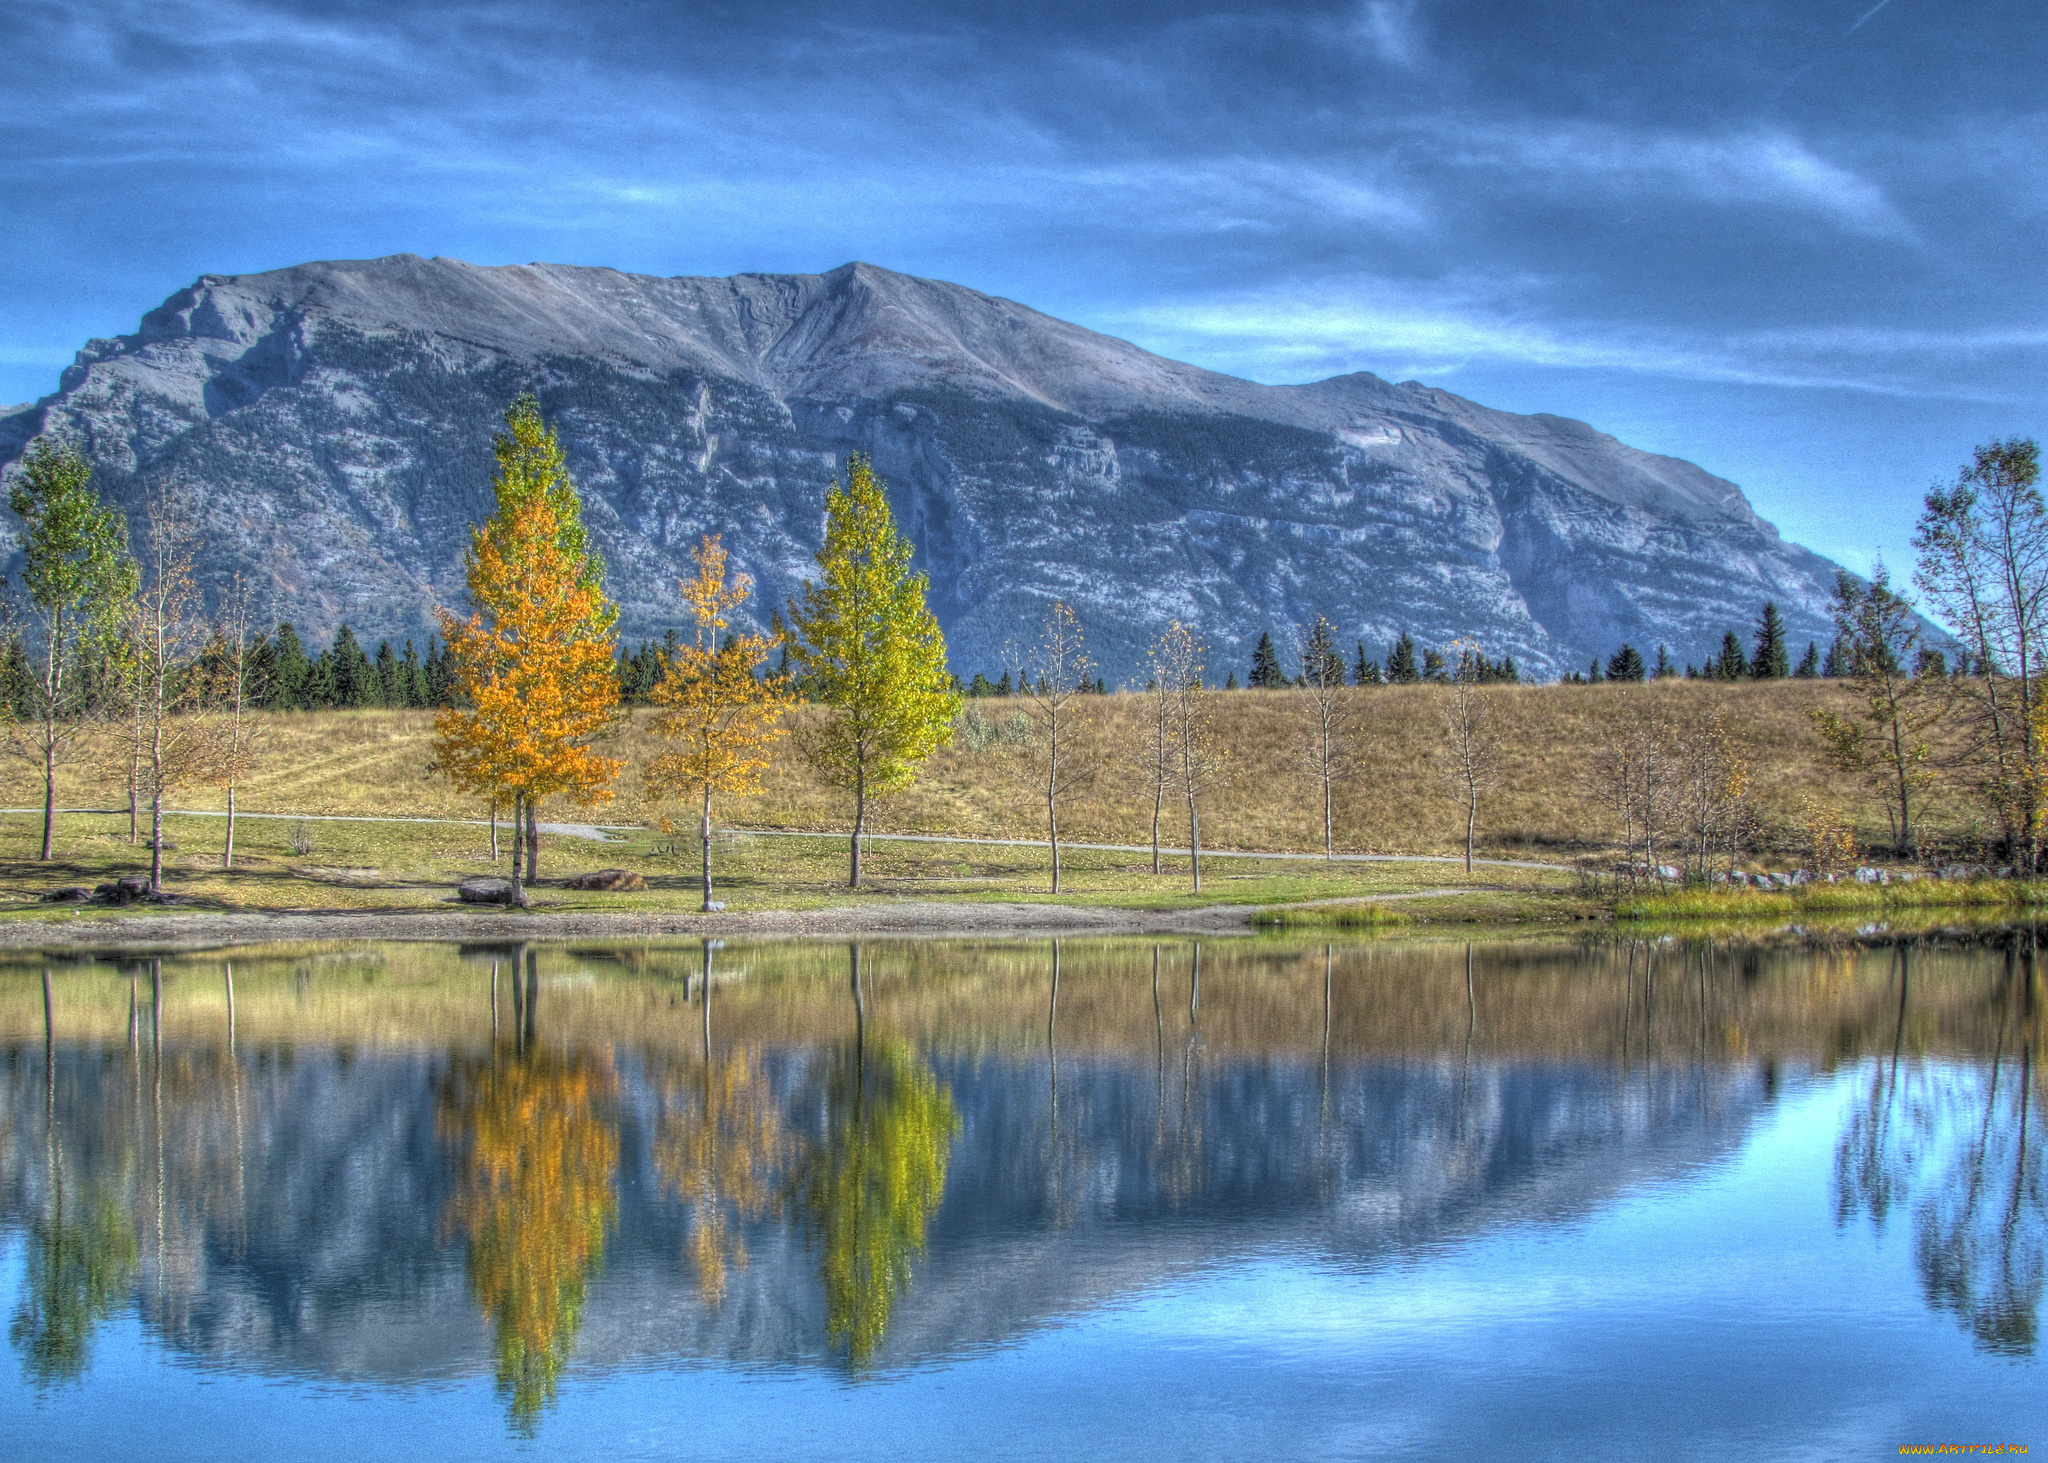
(1961, 1146)
(722, 1147)
(535, 1195)
(865, 1189)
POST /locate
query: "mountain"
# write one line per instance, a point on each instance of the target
(335, 422)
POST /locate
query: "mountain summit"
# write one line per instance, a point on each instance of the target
(336, 420)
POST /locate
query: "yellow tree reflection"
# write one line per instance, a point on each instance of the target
(535, 1196)
(721, 1148)
(867, 1191)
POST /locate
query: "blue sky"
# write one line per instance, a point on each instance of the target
(1799, 244)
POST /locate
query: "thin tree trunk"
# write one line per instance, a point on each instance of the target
(494, 830)
(1471, 818)
(1052, 823)
(518, 870)
(227, 852)
(532, 991)
(134, 792)
(49, 794)
(533, 840)
(1194, 842)
(1158, 806)
(156, 840)
(860, 825)
(705, 831)
(1329, 823)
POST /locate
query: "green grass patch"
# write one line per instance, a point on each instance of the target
(1364, 915)
(2010, 895)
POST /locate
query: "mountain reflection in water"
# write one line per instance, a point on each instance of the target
(410, 1162)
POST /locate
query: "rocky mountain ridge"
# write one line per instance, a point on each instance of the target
(335, 419)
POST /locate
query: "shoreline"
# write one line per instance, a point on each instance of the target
(910, 918)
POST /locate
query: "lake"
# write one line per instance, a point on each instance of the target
(1025, 1199)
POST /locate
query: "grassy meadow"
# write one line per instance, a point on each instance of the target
(375, 764)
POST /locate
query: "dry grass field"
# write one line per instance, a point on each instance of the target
(377, 764)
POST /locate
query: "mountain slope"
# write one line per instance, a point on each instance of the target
(336, 419)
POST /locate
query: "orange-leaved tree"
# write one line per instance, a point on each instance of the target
(715, 707)
(533, 661)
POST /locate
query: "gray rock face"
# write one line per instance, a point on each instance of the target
(335, 420)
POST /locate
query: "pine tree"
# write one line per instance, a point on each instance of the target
(1770, 662)
(870, 650)
(286, 687)
(1322, 663)
(1433, 666)
(1230, 682)
(1593, 677)
(1809, 663)
(1266, 673)
(1733, 665)
(349, 673)
(1401, 669)
(1665, 669)
(1626, 664)
(1837, 664)
(387, 683)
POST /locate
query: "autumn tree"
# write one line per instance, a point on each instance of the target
(1885, 744)
(1324, 721)
(1198, 763)
(864, 644)
(716, 708)
(722, 1147)
(533, 662)
(1713, 781)
(76, 576)
(1632, 770)
(1056, 672)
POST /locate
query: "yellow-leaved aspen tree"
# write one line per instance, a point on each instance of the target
(1056, 669)
(534, 660)
(718, 712)
(864, 644)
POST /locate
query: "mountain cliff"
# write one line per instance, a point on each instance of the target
(335, 421)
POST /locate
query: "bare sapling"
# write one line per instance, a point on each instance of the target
(175, 745)
(1468, 753)
(1328, 724)
(231, 689)
(1178, 660)
(1056, 669)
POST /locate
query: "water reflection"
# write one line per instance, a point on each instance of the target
(402, 1162)
(1952, 1146)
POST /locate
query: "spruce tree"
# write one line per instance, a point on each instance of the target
(1770, 663)
(290, 671)
(1266, 673)
(1836, 665)
(1665, 669)
(1401, 669)
(387, 683)
(980, 686)
(350, 673)
(1322, 663)
(1508, 673)
(1231, 683)
(1809, 663)
(1734, 665)
(1003, 687)
(1593, 677)
(1433, 666)
(1626, 664)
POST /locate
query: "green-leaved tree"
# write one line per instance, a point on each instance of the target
(863, 643)
(76, 576)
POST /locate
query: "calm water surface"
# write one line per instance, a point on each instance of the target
(1023, 1200)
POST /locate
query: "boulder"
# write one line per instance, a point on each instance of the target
(485, 891)
(1867, 875)
(615, 880)
(124, 890)
(70, 894)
